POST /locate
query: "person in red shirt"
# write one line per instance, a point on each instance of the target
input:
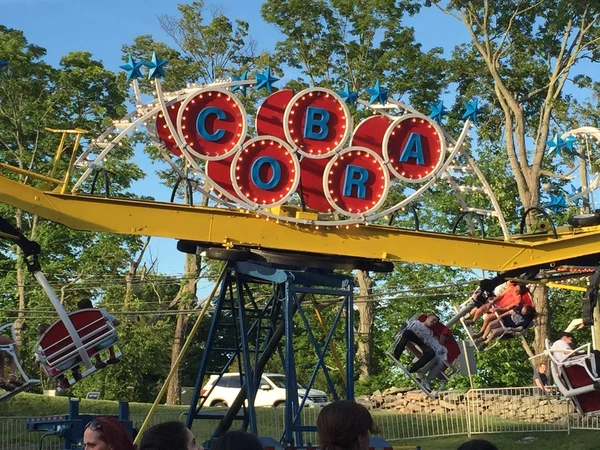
(514, 295)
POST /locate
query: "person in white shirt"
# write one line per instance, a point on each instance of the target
(421, 334)
(563, 347)
(563, 343)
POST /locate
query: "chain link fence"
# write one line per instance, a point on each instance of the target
(407, 415)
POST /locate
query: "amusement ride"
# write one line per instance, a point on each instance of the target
(299, 193)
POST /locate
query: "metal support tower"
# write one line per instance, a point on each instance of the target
(258, 313)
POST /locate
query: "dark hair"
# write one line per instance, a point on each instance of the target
(341, 423)
(523, 288)
(86, 303)
(112, 432)
(237, 440)
(165, 436)
(565, 334)
(530, 309)
(477, 444)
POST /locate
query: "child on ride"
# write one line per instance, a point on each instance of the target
(517, 319)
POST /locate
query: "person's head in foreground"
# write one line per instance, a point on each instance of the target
(477, 444)
(106, 433)
(345, 425)
(237, 440)
(169, 436)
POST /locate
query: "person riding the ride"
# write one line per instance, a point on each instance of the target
(434, 352)
(518, 318)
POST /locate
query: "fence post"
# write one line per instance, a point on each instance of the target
(569, 416)
(469, 413)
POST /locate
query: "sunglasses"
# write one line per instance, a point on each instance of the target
(94, 425)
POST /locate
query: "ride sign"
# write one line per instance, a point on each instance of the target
(306, 146)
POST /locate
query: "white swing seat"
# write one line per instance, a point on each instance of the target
(575, 377)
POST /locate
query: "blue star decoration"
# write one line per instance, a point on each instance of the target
(574, 192)
(2, 65)
(556, 144)
(377, 94)
(265, 80)
(133, 68)
(438, 111)
(156, 67)
(349, 96)
(471, 110)
(570, 142)
(557, 203)
(242, 87)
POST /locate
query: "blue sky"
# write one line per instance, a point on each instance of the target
(102, 27)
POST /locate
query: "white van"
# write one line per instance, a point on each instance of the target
(270, 393)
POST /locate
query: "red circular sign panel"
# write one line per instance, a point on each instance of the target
(414, 148)
(212, 123)
(265, 161)
(356, 181)
(269, 117)
(312, 172)
(370, 132)
(317, 122)
(218, 173)
(163, 131)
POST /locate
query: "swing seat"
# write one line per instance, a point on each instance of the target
(450, 344)
(56, 350)
(10, 349)
(575, 378)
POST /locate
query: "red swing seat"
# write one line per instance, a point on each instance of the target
(56, 350)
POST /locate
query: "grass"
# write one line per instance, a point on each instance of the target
(577, 440)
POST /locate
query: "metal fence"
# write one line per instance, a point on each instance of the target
(405, 415)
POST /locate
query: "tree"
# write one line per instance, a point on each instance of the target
(521, 58)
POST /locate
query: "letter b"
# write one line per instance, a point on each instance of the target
(315, 125)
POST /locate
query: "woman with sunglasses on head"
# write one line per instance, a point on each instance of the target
(169, 436)
(106, 433)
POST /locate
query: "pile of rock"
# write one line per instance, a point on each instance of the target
(517, 406)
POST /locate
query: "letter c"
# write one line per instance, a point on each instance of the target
(201, 123)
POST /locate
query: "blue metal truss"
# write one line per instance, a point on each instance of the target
(258, 329)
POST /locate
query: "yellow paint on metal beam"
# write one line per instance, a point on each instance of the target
(567, 287)
(29, 173)
(221, 226)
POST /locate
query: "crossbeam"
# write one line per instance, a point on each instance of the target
(236, 228)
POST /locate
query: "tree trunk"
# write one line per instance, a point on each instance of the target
(20, 266)
(542, 319)
(366, 310)
(186, 294)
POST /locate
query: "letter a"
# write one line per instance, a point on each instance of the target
(413, 149)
